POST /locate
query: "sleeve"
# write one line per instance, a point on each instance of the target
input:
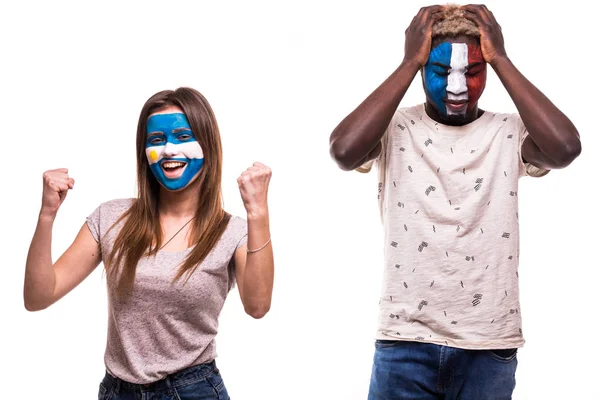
(525, 168)
(240, 235)
(367, 166)
(93, 223)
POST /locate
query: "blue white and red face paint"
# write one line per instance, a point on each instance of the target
(174, 154)
(454, 77)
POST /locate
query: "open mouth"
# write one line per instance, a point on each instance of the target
(173, 169)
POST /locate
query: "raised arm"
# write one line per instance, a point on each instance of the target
(357, 138)
(553, 140)
(45, 282)
(254, 262)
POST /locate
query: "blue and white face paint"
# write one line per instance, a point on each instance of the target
(174, 154)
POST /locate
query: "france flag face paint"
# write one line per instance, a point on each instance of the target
(174, 154)
(454, 77)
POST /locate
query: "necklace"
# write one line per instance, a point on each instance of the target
(180, 229)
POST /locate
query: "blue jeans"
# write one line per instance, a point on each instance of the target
(423, 371)
(201, 382)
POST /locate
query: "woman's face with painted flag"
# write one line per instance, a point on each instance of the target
(454, 77)
(174, 154)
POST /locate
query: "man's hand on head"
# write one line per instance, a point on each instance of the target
(417, 44)
(492, 41)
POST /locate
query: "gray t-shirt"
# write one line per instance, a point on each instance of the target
(448, 201)
(164, 327)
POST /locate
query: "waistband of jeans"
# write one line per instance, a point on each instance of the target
(176, 379)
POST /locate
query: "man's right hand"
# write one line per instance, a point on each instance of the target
(357, 139)
(417, 45)
(56, 185)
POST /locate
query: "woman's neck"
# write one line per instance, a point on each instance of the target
(180, 204)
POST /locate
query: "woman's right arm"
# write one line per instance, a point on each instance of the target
(45, 282)
(357, 139)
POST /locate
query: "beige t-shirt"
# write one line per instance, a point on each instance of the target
(448, 200)
(164, 327)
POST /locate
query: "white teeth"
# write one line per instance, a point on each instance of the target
(173, 164)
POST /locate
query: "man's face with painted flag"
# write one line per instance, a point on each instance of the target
(174, 154)
(454, 77)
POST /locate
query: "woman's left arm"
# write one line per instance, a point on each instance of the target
(254, 262)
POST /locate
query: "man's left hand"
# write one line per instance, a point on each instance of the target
(492, 41)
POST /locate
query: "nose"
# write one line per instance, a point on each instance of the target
(457, 83)
(170, 150)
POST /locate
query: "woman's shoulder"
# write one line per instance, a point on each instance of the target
(235, 221)
(110, 211)
(118, 203)
(116, 206)
(236, 229)
(237, 224)
(106, 214)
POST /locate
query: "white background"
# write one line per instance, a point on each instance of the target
(280, 76)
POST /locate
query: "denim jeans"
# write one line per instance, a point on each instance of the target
(423, 371)
(201, 382)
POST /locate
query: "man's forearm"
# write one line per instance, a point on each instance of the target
(361, 131)
(552, 132)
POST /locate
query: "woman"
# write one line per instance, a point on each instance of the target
(171, 255)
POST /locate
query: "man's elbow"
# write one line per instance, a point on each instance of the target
(569, 152)
(342, 157)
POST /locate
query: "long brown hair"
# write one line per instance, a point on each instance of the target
(141, 234)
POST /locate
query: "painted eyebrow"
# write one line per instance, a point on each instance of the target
(177, 130)
(155, 133)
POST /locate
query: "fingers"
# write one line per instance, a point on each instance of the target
(257, 170)
(480, 10)
(62, 187)
(425, 11)
(433, 18)
(59, 185)
(425, 14)
(58, 179)
(474, 15)
(487, 15)
(425, 18)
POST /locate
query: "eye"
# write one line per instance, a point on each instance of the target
(156, 140)
(184, 137)
(441, 72)
(474, 71)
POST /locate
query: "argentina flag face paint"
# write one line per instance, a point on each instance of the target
(454, 77)
(174, 154)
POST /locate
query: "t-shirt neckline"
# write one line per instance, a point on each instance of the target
(452, 129)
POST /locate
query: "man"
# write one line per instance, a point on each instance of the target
(449, 322)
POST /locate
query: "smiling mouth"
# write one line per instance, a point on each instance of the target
(173, 169)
